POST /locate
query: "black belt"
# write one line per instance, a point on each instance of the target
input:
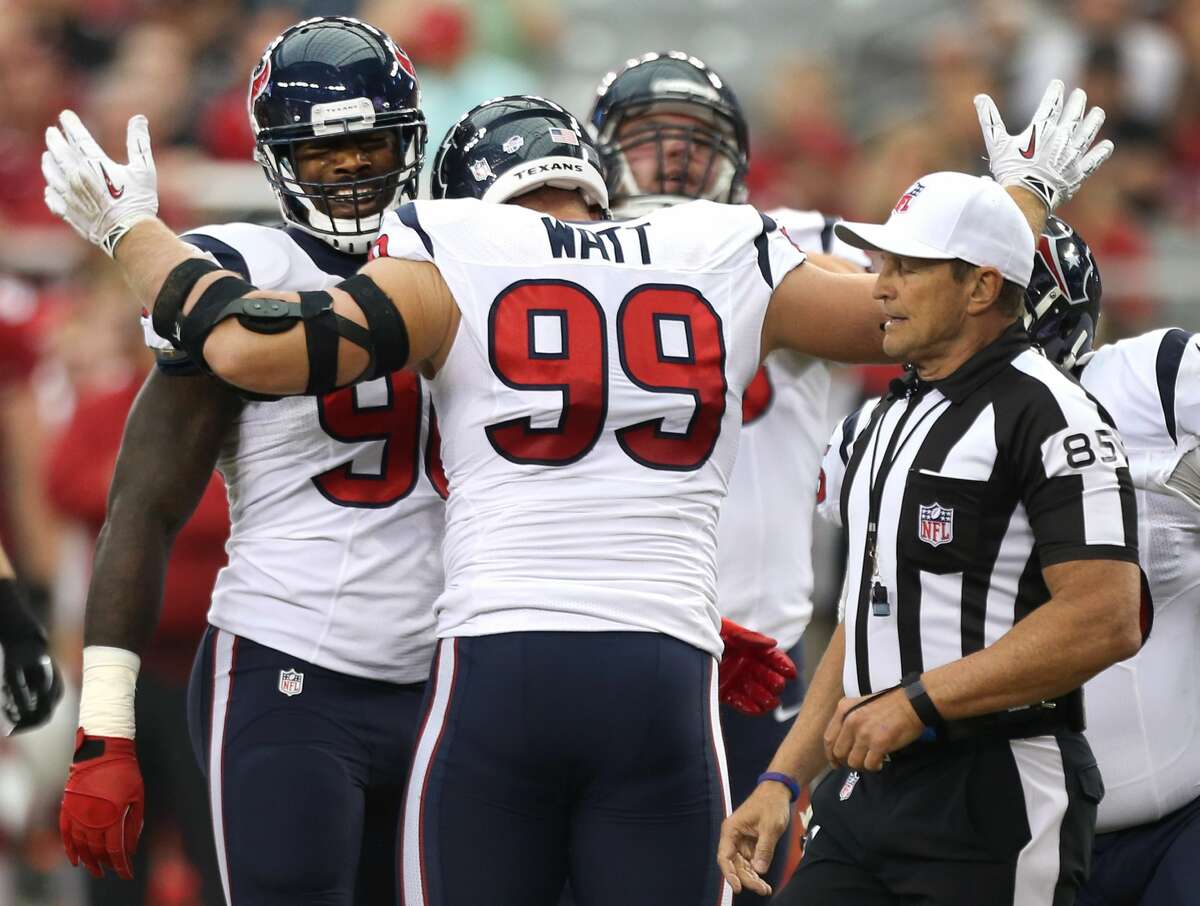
(1041, 719)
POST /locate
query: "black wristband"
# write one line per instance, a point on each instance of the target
(16, 620)
(920, 700)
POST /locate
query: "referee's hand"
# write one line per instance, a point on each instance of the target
(860, 738)
(749, 835)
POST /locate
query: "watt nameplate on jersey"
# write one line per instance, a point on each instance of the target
(290, 682)
(936, 524)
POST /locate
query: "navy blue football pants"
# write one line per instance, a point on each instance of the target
(1155, 864)
(547, 756)
(306, 787)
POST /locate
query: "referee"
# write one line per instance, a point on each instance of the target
(992, 537)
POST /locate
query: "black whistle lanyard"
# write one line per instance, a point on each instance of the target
(877, 483)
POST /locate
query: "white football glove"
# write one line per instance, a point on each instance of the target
(100, 198)
(1051, 157)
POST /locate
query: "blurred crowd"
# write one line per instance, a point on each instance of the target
(71, 359)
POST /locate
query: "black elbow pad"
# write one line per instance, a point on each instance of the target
(385, 338)
(389, 334)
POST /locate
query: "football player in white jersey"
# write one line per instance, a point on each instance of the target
(588, 377)
(670, 129)
(307, 687)
(1143, 714)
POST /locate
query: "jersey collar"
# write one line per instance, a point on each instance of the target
(985, 364)
(330, 260)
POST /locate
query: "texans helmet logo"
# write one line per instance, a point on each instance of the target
(258, 81)
(404, 61)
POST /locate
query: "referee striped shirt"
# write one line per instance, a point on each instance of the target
(957, 493)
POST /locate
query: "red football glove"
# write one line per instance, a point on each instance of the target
(102, 807)
(753, 670)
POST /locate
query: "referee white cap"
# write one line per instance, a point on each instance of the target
(953, 215)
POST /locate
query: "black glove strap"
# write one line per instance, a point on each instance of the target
(920, 700)
(17, 622)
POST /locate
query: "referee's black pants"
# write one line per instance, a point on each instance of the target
(980, 822)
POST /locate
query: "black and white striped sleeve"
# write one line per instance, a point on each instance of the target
(1073, 474)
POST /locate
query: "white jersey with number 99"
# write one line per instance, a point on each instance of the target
(590, 408)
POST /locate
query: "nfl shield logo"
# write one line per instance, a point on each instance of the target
(848, 786)
(290, 682)
(936, 524)
(481, 170)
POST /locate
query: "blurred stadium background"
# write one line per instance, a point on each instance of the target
(847, 100)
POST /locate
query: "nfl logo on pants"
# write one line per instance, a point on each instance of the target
(936, 524)
(290, 682)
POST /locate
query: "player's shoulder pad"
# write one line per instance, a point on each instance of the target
(1172, 356)
(709, 226)
(710, 236)
(850, 428)
(812, 231)
(1144, 348)
(263, 255)
(836, 458)
(459, 227)
(463, 227)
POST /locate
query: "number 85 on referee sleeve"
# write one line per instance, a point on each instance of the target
(1083, 449)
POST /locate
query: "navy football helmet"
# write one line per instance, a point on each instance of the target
(671, 83)
(511, 145)
(1062, 302)
(330, 76)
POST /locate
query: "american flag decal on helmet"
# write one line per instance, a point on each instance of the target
(563, 136)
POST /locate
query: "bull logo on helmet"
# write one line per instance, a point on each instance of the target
(259, 78)
(402, 58)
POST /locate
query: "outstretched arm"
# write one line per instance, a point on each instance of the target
(279, 363)
(826, 315)
(114, 205)
(831, 316)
